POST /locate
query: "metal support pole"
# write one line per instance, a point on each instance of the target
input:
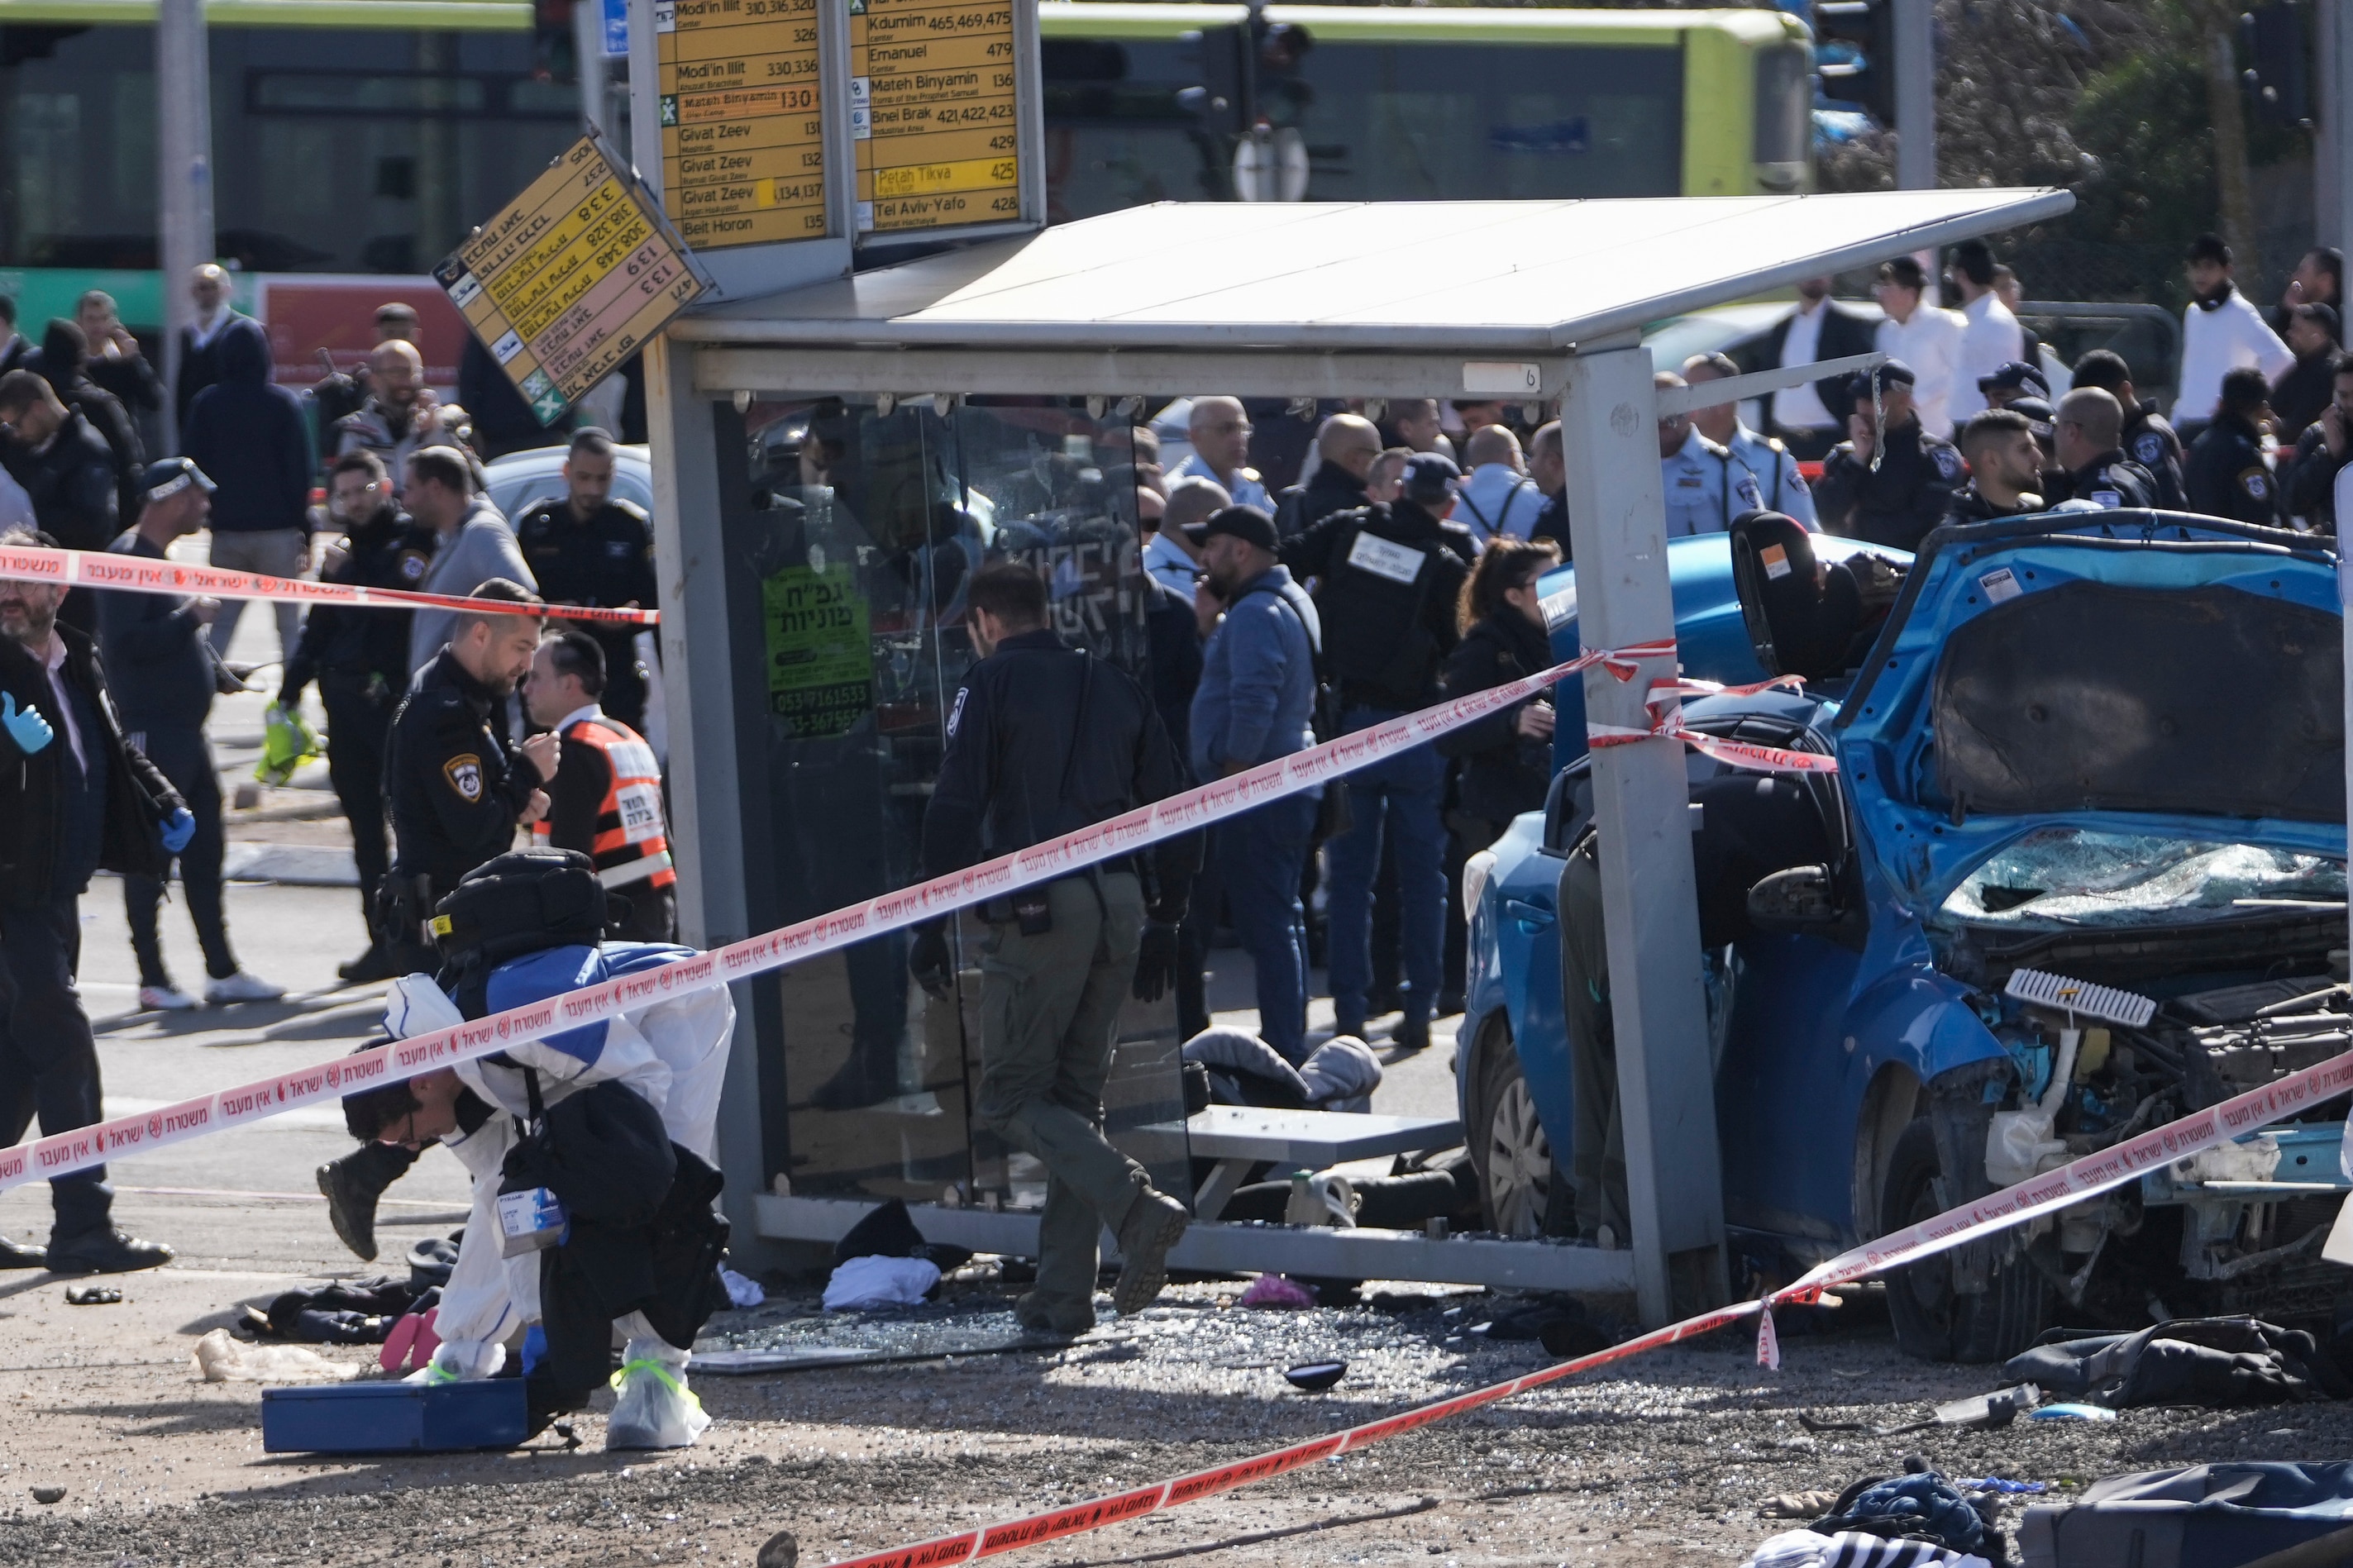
(2327, 209)
(2336, 127)
(1916, 95)
(184, 175)
(1666, 1079)
(595, 78)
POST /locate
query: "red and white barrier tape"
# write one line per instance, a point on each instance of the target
(139, 574)
(2092, 1175)
(65, 1152)
(1666, 721)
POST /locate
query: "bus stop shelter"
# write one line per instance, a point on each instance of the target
(829, 459)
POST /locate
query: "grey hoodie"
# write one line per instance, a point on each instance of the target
(483, 547)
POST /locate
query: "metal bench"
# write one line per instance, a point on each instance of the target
(1239, 1136)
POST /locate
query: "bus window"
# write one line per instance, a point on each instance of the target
(1443, 121)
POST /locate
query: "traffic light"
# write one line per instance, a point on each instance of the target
(1868, 27)
(2271, 37)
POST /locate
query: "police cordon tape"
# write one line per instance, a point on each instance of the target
(2084, 1178)
(1666, 721)
(139, 575)
(64, 1152)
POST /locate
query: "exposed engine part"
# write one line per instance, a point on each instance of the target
(2079, 998)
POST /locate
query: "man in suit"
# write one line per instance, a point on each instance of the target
(1811, 419)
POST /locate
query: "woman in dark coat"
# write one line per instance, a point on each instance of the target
(1506, 756)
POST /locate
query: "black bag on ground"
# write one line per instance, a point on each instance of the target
(2217, 1362)
(517, 903)
(2206, 1516)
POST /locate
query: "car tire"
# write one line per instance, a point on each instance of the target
(1521, 1190)
(1931, 1322)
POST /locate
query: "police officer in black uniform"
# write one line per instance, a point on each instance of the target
(2227, 476)
(1042, 740)
(2146, 438)
(358, 656)
(1890, 482)
(457, 795)
(1389, 579)
(589, 549)
(2092, 468)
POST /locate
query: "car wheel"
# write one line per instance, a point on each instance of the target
(1931, 1322)
(1520, 1189)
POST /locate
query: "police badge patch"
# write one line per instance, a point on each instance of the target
(2148, 449)
(1948, 461)
(411, 565)
(464, 773)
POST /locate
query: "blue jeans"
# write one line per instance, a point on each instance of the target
(1405, 795)
(1260, 855)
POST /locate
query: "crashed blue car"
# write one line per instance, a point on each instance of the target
(2090, 750)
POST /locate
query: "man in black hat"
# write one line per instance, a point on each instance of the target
(2012, 382)
(2086, 432)
(1890, 482)
(165, 676)
(1387, 581)
(2147, 438)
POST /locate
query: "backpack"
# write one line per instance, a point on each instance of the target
(524, 901)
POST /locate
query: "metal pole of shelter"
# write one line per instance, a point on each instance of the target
(184, 168)
(1666, 1078)
(595, 79)
(1916, 95)
(2335, 162)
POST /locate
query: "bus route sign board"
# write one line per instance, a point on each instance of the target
(935, 113)
(743, 133)
(569, 278)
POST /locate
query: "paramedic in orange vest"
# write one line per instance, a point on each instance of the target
(605, 799)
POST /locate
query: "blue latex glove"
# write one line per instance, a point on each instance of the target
(27, 728)
(178, 830)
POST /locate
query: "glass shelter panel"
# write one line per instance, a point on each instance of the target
(850, 538)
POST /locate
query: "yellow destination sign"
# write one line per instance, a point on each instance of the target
(742, 136)
(934, 113)
(569, 278)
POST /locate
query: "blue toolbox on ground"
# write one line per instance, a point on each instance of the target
(393, 1417)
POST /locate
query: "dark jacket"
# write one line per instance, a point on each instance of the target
(1552, 523)
(1846, 332)
(1328, 490)
(64, 363)
(1504, 772)
(2301, 391)
(356, 643)
(608, 562)
(71, 483)
(202, 368)
(163, 664)
(1173, 643)
(1969, 506)
(2110, 480)
(2309, 479)
(250, 438)
(132, 380)
(2150, 441)
(453, 789)
(1388, 606)
(32, 797)
(1042, 740)
(1898, 503)
(2226, 476)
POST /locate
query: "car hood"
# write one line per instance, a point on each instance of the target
(2139, 673)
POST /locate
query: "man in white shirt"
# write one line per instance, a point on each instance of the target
(1990, 338)
(2220, 332)
(1924, 337)
(1811, 419)
(1219, 429)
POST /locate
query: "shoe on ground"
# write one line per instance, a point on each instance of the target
(351, 1208)
(1152, 1225)
(372, 966)
(1412, 1034)
(1067, 1320)
(1450, 1003)
(165, 999)
(109, 1251)
(241, 987)
(17, 1255)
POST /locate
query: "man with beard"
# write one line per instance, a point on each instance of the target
(75, 797)
(2221, 330)
(399, 417)
(2005, 465)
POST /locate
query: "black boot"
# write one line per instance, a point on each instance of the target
(351, 1187)
(108, 1251)
(372, 966)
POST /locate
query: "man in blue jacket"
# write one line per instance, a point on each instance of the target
(249, 434)
(1257, 702)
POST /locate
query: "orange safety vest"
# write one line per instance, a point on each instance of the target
(631, 844)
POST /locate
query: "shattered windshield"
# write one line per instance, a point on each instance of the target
(2057, 877)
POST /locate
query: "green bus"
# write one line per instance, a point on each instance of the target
(364, 137)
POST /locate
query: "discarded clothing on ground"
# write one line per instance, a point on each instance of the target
(1245, 1071)
(1341, 1075)
(2189, 1361)
(2199, 1514)
(220, 1359)
(863, 1284)
(352, 1312)
(888, 1231)
(1804, 1548)
(1920, 1505)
